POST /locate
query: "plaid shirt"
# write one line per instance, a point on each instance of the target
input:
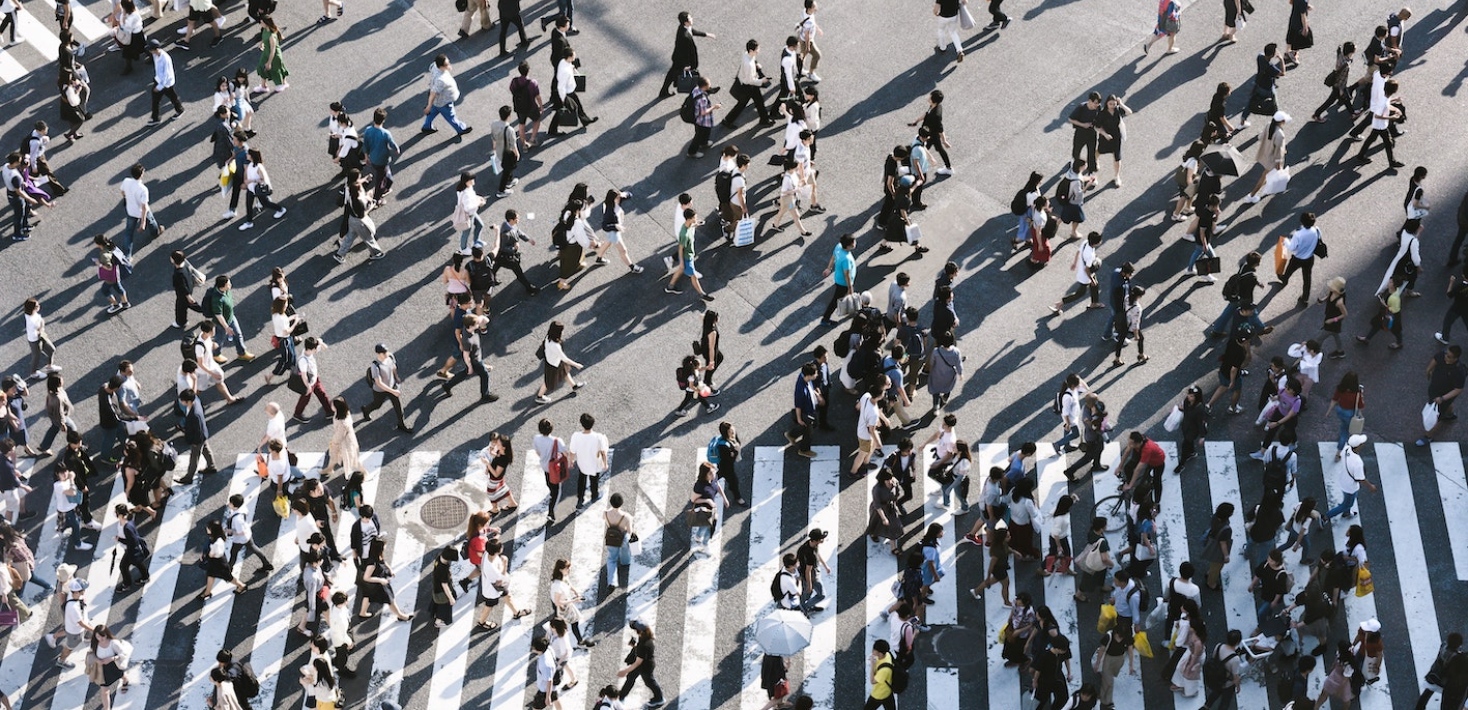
(703, 108)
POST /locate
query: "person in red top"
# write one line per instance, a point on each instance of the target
(1145, 476)
(1348, 398)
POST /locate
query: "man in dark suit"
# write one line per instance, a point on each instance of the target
(685, 53)
(196, 435)
(559, 42)
(222, 137)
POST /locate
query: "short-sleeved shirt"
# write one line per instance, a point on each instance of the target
(222, 304)
(685, 240)
(1445, 378)
(136, 195)
(1085, 114)
(806, 557)
(948, 8)
(844, 264)
(442, 575)
(867, 419)
(1233, 357)
(586, 446)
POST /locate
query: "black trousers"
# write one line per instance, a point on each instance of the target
(508, 162)
(505, 22)
(1084, 138)
(570, 103)
(1304, 266)
(802, 433)
(381, 180)
(645, 674)
(890, 703)
(172, 96)
(1452, 315)
(265, 202)
(1090, 453)
(131, 562)
(236, 547)
(838, 292)
(746, 95)
(1386, 140)
(513, 264)
(671, 78)
(727, 472)
(1336, 96)
(378, 398)
(478, 369)
(998, 16)
(581, 481)
(700, 139)
(181, 308)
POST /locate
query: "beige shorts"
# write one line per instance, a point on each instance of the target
(865, 445)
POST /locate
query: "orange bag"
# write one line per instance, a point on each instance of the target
(261, 467)
(1281, 257)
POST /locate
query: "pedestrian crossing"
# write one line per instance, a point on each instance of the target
(703, 603)
(38, 43)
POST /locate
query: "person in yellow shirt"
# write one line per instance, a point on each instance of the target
(881, 677)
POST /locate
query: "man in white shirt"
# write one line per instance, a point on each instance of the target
(1302, 244)
(789, 70)
(163, 80)
(1071, 414)
(564, 98)
(749, 84)
(311, 378)
(868, 440)
(274, 427)
(135, 196)
(789, 583)
(1351, 477)
(1382, 115)
(588, 451)
(237, 529)
(76, 624)
(545, 675)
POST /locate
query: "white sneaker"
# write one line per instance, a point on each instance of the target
(280, 213)
(51, 368)
(84, 546)
(228, 214)
(814, 77)
(40, 375)
(1211, 279)
(1439, 337)
(503, 193)
(247, 226)
(183, 30)
(945, 171)
(1189, 271)
(94, 525)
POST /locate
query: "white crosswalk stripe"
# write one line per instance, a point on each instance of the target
(698, 678)
(38, 45)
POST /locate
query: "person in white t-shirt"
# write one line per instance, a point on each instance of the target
(589, 452)
(139, 209)
(546, 694)
(40, 342)
(1087, 267)
(869, 418)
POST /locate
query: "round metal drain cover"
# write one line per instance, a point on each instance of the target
(444, 512)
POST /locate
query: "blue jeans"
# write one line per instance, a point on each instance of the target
(75, 523)
(813, 596)
(1263, 611)
(447, 111)
(131, 230)
(1258, 552)
(617, 556)
(1198, 252)
(20, 212)
(238, 338)
(1345, 416)
(287, 358)
(1225, 323)
(1344, 507)
(951, 489)
(1072, 435)
(476, 228)
(1305, 551)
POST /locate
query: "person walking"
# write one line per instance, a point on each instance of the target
(505, 151)
(1457, 309)
(42, 349)
(1169, 23)
(1347, 402)
(807, 32)
(217, 564)
(196, 435)
(685, 54)
(1083, 119)
(642, 666)
(1351, 476)
(376, 582)
(386, 386)
(1446, 375)
(617, 539)
(588, 450)
(357, 223)
(271, 67)
(1339, 81)
(806, 404)
(749, 85)
(343, 451)
(507, 253)
(613, 225)
(687, 257)
(163, 81)
(443, 91)
(381, 150)
(139, 210)
(703, 116)
(510, 14)
(1271, 155)
(557, 366)
(564, 98)
(842, 269)
(1383, 115)
(258, 187)
(1389, 313)
(309, 374)
(947, 12)
(238, 533)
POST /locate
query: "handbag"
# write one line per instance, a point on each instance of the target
(1107, 619)
(1208, 265)
(261, 467)
(1364, 585)
(1004, 632)
(9, 616)
(581, 83)
(914, 233)
(1174, 419)
(744, 232)
(965, 18)
(1091, 560)
(687, 80)
(700, 518)
(1332, 78)
(1429, 416)
(302, 327)
(1281, 252)
(556, 471)
(781, 689)
(1358, 420)
(296, 383)
(634, 544)
(264, 189)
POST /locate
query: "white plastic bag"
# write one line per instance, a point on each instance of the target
(1174, 419)
(1276, 181)
(1429, 416)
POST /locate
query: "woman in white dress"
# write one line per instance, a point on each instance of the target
(567, 601)
(1193, 641)
(344, 450)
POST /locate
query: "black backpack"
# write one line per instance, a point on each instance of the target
(1231, 287)
(842, 346)
(169, 457)
(1058, 407)
(246, 683)
(189, 347)
(776, 592)
(1145, 602)
(559, 237)
(1215, 669)
(687, 112)
(1276, 472)
(899, 677)
(724, 186)
(1017, 206)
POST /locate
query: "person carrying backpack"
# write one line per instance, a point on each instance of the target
(1221, 673)
(886, 679)
(785, 587)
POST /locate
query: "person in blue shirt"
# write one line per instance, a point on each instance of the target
(842, 270)
(806, 399)
(381, 151)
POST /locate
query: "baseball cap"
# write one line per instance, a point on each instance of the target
(154, 44)
(77, 585)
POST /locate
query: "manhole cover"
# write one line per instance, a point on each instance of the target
(444, 512)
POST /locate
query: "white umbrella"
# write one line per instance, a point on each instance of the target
(784, 632)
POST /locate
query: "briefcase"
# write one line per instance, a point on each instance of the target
(566, 118)
(1208, 265)
(580, 83)
(687, 81)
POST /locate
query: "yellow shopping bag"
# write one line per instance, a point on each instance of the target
(1364, 585)
(226, 174)
(282, 506)
(1107, 618)
(1144, 646)
(1004, 632)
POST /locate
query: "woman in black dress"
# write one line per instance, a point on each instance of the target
(216, 561)
(708, 348)
(1299, 36)
(897, 225)
(376, 583)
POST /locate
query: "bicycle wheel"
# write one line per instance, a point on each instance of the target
(1114, 509)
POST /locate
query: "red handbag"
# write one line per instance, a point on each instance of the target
(556, 471)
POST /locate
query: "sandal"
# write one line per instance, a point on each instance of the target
(571, 685)
(1142, 359)
(521, 613)
(487, 625)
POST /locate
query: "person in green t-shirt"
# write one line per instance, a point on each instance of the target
(687, 256)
